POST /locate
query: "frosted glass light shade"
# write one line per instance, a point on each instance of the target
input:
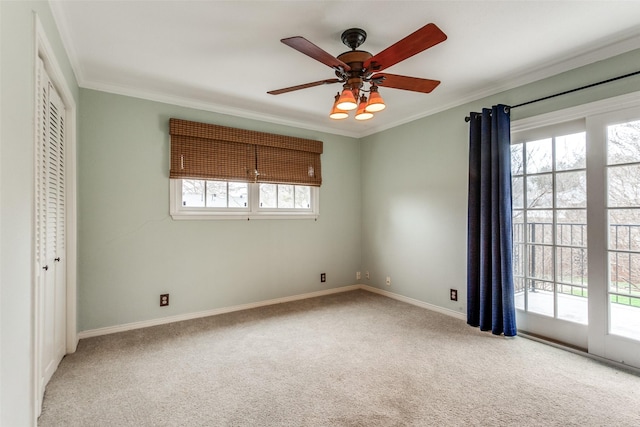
(362, 114)
(376, 103)
(336, 113)
(347, 101)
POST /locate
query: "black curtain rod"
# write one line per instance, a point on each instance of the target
(466, 119)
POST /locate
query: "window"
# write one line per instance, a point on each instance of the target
(220, 172)
(208, 199)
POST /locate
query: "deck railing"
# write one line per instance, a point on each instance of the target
(569, 272)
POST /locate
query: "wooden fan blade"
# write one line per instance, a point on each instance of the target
(305, 46)
(426, 37)
(304, 86)
(414, 84)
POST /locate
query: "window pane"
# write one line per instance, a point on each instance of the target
(303, 197)
(624, 185)
(573, 304)
(624, 270)
(571, 190)
(624, 229)
(516, 159)
(518, 283)
(193, 193)
(217, 194)
(571, 265)
(517, 192)
(518, 226)
(518, 259)
(541, 262)
(540, 227)
(571, 227)
(539, 156)
(539, 191)
(238, 194)
(540, 297)
(625, 316)
(623, 143)
(571, 151)
(268, 195)
(285, 196)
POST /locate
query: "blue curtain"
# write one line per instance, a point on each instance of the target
(490, 291)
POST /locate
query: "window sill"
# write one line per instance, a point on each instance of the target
(181, 216)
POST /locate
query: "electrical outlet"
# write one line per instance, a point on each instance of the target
(358, 275)
(453, 294)
(164, 300)
(323, 277)
(388, 281)
(366, 275)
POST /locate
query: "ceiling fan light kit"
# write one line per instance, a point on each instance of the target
(362, 113)
(336, 113)
(347, 101)
(355, 68)
(376, 103)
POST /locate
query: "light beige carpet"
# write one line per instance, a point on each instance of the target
(351, 359)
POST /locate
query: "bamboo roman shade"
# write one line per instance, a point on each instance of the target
(206, 151)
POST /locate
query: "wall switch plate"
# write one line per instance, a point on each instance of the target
(164, 300)
(323, 277)
(388, 282)
(358, 275)
(366, 275)
(453, 294)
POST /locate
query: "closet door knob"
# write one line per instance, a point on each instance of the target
(57, 259)
(46, 267)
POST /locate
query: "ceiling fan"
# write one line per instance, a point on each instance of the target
(355, 68)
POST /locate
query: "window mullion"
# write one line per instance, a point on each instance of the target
(554, 219)
(525, 222)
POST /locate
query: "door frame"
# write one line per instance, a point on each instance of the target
(597, 333)
(44, 50)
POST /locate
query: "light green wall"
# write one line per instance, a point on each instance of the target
(131, 251)
(17, 58)
(415, 177)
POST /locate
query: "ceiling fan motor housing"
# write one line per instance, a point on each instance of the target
(355, 60)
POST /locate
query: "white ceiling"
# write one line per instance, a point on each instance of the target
(224, 56)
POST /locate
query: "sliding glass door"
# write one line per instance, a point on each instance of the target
(576, 218)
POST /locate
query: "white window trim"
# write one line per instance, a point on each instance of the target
(554, 118)
(179, 212)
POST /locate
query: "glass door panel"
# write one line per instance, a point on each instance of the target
(550, 233)
(623, 211)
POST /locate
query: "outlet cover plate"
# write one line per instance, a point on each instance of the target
(164, 300)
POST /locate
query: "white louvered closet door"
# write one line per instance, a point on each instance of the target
(50, 228)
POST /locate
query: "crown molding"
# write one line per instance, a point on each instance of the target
(607, 48)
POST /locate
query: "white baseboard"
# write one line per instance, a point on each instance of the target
(207, 313)
(188, 316)
(415, 302)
